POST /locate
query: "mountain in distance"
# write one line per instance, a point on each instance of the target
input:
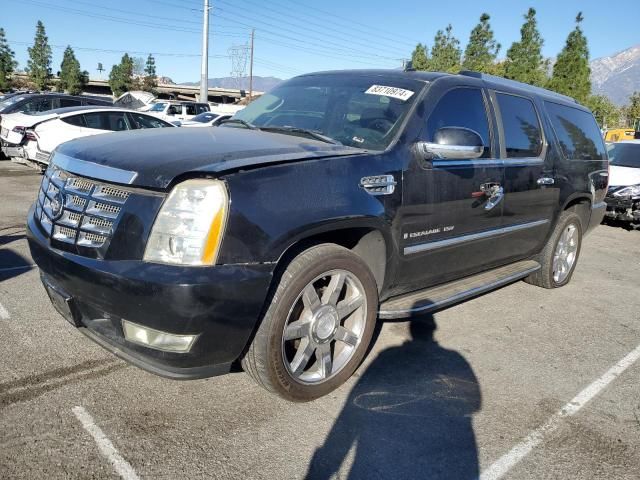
(618, 75)
(260, 84)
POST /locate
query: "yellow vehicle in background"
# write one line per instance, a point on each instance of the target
(619, 134)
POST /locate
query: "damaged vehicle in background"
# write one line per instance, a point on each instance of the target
(623, 195)
(33, 137)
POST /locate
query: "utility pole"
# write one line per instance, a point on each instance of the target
(253, 31)
(204, 71)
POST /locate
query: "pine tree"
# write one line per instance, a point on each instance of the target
(150, 81)
(7, 62)
(482, 49)
(446, 53)
(525, 62)
(39, 64)
(420, 57)
(571, 72)
(606, 113)
(71, 79)
(121, 76)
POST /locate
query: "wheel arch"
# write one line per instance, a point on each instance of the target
(581, 204)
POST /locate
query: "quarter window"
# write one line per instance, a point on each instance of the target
(461, 107)
(522, 133)
(577, 132)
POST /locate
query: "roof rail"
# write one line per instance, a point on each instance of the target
(512, 83)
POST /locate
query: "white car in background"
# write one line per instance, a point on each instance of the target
(206, 119)
(623, 195)
(176, 112)
(33, 137)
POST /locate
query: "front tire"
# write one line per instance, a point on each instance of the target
(560, 255)
(317, 327)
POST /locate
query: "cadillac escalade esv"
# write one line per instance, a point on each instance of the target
(277, 240)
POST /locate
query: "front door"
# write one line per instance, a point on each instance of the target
(448, 227)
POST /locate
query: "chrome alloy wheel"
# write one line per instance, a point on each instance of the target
(566, 252)
(324, 327)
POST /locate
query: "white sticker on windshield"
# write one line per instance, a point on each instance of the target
(394, 92)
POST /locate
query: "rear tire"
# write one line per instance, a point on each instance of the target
(560, 255)
(317, 326)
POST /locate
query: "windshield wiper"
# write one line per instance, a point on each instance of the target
(304, 131)
(248, 125)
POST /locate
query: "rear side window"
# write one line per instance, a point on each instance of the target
(461, 107)
(69, 102)
(522, 133)
(191, 109)
(200, 108)
(577, 132)
(76, 120)
(114, 121)
(37, 105)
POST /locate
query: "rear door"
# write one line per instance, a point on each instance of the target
(448, 229)
(530, 193)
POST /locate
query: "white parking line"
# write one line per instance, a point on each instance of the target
(535, 438)
(124, 469)
(4, 315)
(23, 267)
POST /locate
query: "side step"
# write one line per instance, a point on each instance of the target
(430, 299)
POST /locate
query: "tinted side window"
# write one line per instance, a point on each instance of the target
(201, 109)
(76, 120)
(577, 132)
(37, 105)
(461, 107)
(522, 133)
(114, 121)
(69, 102)
(191, 109)
(146, 121)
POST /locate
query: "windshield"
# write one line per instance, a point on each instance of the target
(157, 107)
(11, 100)
(362, 111)
(625, 154)
(205, 117)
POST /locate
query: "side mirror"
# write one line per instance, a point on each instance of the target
(453, 143)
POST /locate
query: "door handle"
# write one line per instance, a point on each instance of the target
(545, 181)
(495, 194)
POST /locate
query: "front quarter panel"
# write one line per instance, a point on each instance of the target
(275, 207)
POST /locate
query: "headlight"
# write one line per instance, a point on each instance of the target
(190, 226)
(632, 191)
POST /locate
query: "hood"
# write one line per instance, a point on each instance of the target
(154, 157)
(623, 176)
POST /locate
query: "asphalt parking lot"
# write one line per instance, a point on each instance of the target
(522, 383)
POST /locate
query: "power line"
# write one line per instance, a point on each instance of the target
(338, 33)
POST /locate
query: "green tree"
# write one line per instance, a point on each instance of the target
(445, 54)
(150, 80)
(7, 62)
(571, 72)
(482, 50)
(121, 76)
(632, 111)
(420, 57)
(525, 62)
(39, 64)
(606, 113)
(71, 79)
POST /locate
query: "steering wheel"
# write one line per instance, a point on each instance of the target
(381, 125)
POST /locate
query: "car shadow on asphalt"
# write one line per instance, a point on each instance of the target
(408, 416)
(12, 264)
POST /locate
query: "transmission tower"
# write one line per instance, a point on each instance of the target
(239, 55)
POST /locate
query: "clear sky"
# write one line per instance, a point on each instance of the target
(295, 36)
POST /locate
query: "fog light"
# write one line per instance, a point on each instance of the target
(152, 338)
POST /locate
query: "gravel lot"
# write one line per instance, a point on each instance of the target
(444, 396)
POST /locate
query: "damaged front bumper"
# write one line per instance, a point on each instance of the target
(623, 209)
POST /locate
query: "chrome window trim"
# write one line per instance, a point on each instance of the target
(448, 242)
(93, 170)
(490, 162)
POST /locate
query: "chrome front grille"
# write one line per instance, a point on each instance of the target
(76, 210)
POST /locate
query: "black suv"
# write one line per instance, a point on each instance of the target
(277, 240)
(40, 102)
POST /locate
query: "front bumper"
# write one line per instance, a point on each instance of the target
(623, 209)
(222, 304)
